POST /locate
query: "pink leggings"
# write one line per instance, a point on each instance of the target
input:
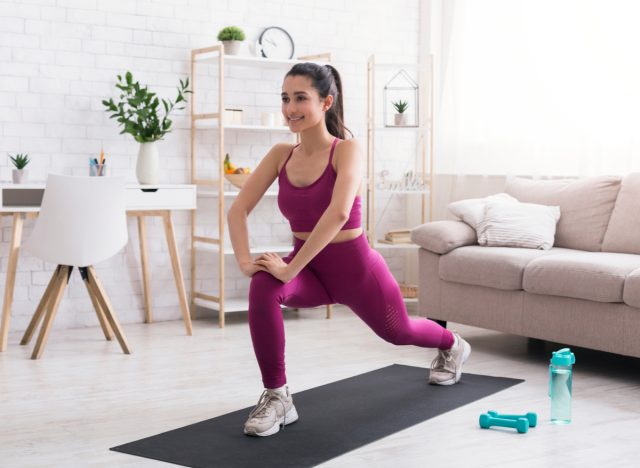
(349, 273)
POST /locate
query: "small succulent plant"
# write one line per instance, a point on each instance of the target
(401, 106)
(20, 160)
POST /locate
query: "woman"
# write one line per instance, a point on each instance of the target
(331, 262)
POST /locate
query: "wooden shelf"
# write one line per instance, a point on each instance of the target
(250, 61)
(233, 304)
(212, 123)
(410, 192)
(209, 185)
(239, 304)
(419, 160)
(394, 128)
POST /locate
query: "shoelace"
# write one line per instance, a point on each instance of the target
(263, 405)
(441, 360)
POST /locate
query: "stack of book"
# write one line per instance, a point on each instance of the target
(398, 236)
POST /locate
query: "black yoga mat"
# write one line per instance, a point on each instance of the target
(334, 419)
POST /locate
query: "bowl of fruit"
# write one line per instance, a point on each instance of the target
(236, 176)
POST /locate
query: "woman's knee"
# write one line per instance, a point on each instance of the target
(264, 287)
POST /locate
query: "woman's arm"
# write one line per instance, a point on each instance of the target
(349, 169)
(250, 194)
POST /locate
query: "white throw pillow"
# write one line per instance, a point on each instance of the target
(471, 210)
(518, 225)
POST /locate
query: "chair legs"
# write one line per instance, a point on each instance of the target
(50, 301)
(104, 324)
(103, 300)
(42, 307)
(52, 308)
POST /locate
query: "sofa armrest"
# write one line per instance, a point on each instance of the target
(443, 236)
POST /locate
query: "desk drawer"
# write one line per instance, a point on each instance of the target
(163, 198)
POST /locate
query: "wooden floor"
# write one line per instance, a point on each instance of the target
(85, 396)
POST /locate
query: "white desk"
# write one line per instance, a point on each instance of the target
(23, 200)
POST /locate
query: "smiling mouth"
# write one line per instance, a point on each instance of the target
(296, 119)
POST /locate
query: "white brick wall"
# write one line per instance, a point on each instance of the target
(59, 59)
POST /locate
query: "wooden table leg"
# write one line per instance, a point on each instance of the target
(177, 269)
(14, 250)
(142, 235)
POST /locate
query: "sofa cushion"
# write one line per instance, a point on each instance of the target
(472, 210)
(631, 293)
(594, 276)
(493, 267)
(443, 236)
(624, 225)
(585, 204)
(527, 225)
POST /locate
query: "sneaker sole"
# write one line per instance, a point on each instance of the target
(456, 379)
(290, 418)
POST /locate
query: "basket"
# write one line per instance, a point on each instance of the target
(409, 291)
(237, 180)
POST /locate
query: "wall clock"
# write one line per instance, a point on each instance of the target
(275, 43)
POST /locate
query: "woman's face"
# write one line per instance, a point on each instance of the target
(302, 106)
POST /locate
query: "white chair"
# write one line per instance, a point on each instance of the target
(82, 221)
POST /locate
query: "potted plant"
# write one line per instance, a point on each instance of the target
(231, 37)
(138, 112)
(400, 118)
(20, 161)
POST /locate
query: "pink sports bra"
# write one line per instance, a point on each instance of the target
(303, 206)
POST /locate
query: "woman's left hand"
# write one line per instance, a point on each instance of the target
(276, 266)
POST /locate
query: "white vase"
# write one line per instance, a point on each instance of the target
(147, 165)
(232, 47)
(400, 120)
(19, 175)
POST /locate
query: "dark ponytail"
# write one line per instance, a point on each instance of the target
(326, 80)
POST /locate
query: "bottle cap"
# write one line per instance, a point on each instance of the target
(563, 357)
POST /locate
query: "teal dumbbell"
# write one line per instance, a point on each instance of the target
(531, 417)
(521, 424)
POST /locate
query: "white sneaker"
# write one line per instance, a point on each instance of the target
(446, 368)
(274, 409)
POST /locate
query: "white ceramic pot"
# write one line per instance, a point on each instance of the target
(400, 120)
(147, 165)
(19, 175)
(232, 47)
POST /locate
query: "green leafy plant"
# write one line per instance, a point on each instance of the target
(231, 33)
(401, 106)
(20, 160)
(138, 111)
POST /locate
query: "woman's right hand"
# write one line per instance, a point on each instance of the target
(249, 268)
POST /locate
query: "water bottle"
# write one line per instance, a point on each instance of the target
(560, 373)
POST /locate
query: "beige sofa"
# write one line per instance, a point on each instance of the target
(585, 291)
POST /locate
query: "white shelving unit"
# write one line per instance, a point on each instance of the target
(423, 162)
(209, 123)
(213, 187)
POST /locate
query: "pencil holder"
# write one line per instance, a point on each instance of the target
(98, 170)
